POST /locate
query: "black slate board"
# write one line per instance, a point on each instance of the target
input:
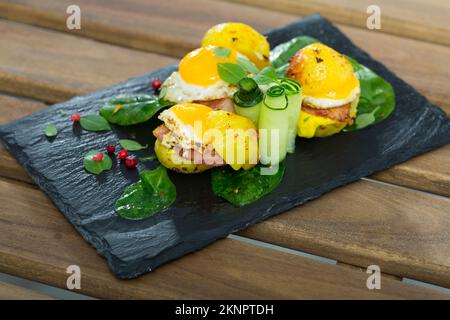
(198, 217)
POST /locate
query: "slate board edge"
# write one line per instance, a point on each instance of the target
(114, 263)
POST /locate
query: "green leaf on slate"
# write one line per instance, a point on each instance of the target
(244, 186)
(131, 145)
(51, 131)
(377, 98)
(96, 166)
(94, 122)
(231, 73)
(151, 194)
(133, 109)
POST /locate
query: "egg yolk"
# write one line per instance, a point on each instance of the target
(199, 67)
(323, 72)
(188, 113)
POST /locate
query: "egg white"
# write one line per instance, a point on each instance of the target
(331, 103)
(181, 134)
(177, 90)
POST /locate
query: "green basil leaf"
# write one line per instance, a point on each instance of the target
(134, 109)
(244, 187)
(247, 65)
(50, 131)
(63, 113)
(153, 193)
(131, 145)
(377, 98)
(281, 54)
(266, 76)
(222, 53)
(231, 73)
(96, 166)
(94, 122)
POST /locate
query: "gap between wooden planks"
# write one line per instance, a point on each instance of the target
(389, 221)
(54, 67)
(13, 292)
(417, 19)
(42, 245)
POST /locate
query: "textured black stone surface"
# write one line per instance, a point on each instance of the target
(198, 217)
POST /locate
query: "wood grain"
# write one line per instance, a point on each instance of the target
(418, 19)
(52, 66)
(37, 242)
(405, 232)
(12, 292)
(175, 28)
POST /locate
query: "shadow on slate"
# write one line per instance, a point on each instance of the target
(198, 217)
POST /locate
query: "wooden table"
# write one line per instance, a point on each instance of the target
(398, 219)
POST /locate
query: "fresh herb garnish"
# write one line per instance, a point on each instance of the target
(247, 65)
(153, 193)
(63, 113)
(266, 76)
(94, 122)
(231, 72)
(131, 145)
(365, 119)
(134, 109)
(244, 187)
(222, 53)
(50, 131)
(95, 164)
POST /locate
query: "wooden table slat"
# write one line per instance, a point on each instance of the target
(41, 245)
(418, 19)
(13, 292)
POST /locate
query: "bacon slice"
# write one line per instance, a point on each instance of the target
(341, 113)
(226, 104)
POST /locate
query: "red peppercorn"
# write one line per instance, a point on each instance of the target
(110, 148)
(98, 157)
(122, 154)
(75, 117)
(156, 84)
(131, 163)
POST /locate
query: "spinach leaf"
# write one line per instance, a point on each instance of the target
(231, 73)
(377, 99)
(134, 109)
(281, 54)
(94, 122)
(131, 145)
(50, 131)
(244, 187)
(96, 166)
(151, 194)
